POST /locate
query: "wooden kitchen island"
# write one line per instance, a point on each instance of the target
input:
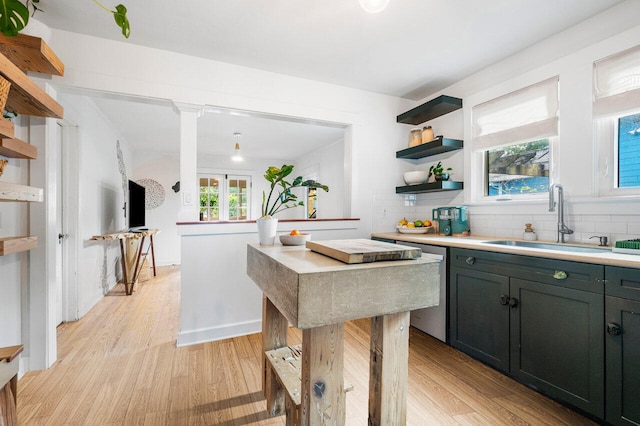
(317, 294)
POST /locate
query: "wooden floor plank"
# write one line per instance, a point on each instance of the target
(119, 365)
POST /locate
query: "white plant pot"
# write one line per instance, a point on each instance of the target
(267, 230)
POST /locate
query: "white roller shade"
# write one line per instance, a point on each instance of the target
(616, 83)
(524, 115)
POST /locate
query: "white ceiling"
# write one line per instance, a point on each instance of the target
(412, 49)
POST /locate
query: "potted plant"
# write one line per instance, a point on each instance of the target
(280, 198)
(438, 172)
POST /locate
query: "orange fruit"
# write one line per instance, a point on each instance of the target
(294, 233)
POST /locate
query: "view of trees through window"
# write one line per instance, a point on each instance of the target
(220, 201)
(629, 151)
(518, 169)
(209, 198)
(238, 199)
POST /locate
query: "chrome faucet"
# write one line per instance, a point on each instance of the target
(562, 228)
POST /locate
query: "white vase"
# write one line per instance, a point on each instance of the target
(267, 230)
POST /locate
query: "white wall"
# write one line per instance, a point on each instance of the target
(587, 214)
(101, 198)
(327, 164)
(164, 169)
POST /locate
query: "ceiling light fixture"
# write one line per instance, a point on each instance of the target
(374, 6)
(236, 155)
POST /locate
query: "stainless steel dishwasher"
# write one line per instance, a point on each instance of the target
(433, 320)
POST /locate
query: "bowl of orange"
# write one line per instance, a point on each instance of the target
(294, 238)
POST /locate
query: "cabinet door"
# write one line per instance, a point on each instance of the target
(623, 360)
(622, 282)
(556, 342)
(479, 322)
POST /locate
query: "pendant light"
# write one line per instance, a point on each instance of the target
(236, 155)
(374, 6)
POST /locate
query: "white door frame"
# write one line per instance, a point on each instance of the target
(41, 299)
(70, 217)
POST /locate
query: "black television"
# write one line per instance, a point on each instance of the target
(136, 205)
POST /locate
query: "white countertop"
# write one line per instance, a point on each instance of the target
(480, 243)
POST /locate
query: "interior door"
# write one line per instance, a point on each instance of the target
(60, 261)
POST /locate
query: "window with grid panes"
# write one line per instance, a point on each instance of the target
(225, 197)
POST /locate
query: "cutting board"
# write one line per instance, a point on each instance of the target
(363, 251)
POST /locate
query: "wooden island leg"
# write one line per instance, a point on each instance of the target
(389, 369)
(323, 396)
(274, 336)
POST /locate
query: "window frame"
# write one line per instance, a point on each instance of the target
(224, 194)
(482, 142)
(607, 161)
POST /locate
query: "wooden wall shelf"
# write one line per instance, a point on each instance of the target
(10, 245)
(15, 148)
(14, 192)
(6, 128)
(31, 54)
(25, 96)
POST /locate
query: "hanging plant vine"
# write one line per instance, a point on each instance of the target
(14, 16)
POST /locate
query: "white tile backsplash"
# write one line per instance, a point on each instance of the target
(508, 221)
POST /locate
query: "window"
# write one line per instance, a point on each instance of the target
(513, 137)
(224, 197)
(616, 111)
(628, 151)
(518, 169)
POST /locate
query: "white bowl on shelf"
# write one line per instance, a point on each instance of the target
(415, 177)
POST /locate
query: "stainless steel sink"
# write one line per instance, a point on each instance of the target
(549, 246)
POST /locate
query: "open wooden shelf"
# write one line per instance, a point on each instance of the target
(25, 96)
(15, 148)
(31, 54)
(437, 146)
(429, 110)
(6, 128)
(10, 353)
(10, 245)
(14, 192)
(446, 185)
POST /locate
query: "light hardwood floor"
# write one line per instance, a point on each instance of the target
(119, 365)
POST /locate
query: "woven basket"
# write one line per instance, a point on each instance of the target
(4, 92)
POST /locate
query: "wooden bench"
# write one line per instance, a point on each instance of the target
(284, 373)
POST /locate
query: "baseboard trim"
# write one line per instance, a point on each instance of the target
(212, 334)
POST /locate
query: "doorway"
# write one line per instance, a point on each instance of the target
(66, 229)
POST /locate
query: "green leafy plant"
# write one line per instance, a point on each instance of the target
(280, 196)
(437, 169)
(14, 16)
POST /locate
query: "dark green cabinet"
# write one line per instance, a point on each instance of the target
(479, 323)
(556, 342)
(622, 316)
(538, 320)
